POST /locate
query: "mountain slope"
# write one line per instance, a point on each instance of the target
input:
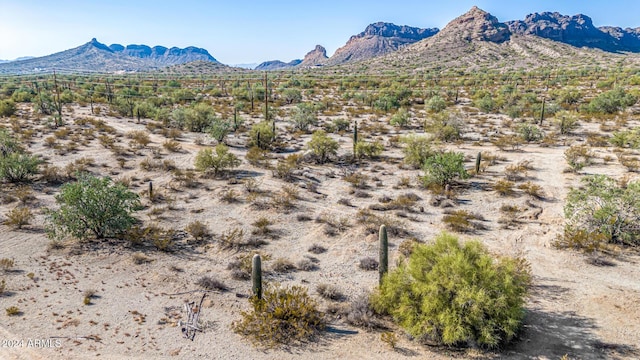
(577, 30)
(97, 57)
(164, 55)
(315, 57)
(378, 39)
(478, 40)
(277, 65)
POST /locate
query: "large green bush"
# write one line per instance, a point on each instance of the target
(7, 108)
(417, 149)
(443, 168)
(92, 206)
(456, 294)
(322, 146)
(220, 160)
(284, 316)
(262, 135)
(15, 164)
(610, 102)
(604, 210)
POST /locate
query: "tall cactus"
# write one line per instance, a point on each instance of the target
(151, 190)
(355, 138)
(542, 112)
(256, 276)
(383, 267)
(478, 160)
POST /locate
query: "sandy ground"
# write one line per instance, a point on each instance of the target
(575, 308)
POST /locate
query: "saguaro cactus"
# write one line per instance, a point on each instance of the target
(151, 190)
(478, 160)
(383, 267)
(256, 276)
(355, 138)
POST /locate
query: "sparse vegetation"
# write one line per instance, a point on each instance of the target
(284, 316)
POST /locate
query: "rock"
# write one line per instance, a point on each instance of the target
(378, 39)
(477, 25)
(315, 57)
(577, 30)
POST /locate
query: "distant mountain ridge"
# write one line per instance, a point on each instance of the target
(577, 30)
(477, 40)
(469, 39)
(161, 54)
(94, 56)
(378, 39)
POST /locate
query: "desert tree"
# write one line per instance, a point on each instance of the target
(92, 207)
(216, 160)
(322, 146)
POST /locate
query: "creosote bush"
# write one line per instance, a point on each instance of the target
(216, 161)
(456, 294)
(284, 316)
(92, 206)
(602, 210)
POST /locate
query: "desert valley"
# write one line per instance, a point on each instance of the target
(139, 183)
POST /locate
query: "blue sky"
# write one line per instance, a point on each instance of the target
(251, 31)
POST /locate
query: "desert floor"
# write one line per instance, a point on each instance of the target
(575, 307)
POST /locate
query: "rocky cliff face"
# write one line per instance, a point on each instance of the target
(577, 30)
(163, 55)
(378, 39)
(476, 25)
(315, 57)
(627, 39)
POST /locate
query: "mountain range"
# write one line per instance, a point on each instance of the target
(97, 57)
(471, 39)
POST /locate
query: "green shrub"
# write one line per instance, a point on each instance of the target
(578, 156)
(436, 104)
(8, 143)
(322, 146)
(366, 149)
(284, 316)
(416, 149)
(400, 118)
(19, 167)
(610, 102)
(7, 108)
(303, 116)
(529, 132)
(456, 294)
(19, 217)
(219, 128)
(262, 135)
(92, 206)
(601, 207)
(222, 159)
(443, 168)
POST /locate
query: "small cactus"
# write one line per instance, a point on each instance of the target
(151, 190)
(478, 160)
(256, 276)
(383, 266)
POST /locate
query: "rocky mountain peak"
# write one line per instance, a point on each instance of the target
(477, 24)
(392, 30)
(317, 56)
(577, 30)
(378, 39)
